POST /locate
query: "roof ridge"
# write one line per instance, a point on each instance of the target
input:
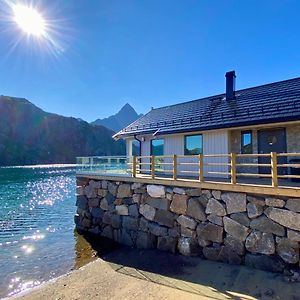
(223, 94)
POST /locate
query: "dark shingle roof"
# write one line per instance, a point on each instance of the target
(274, 102)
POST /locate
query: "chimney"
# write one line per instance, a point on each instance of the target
(230, 85)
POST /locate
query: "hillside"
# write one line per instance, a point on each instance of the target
(29, 135)
(121, 119)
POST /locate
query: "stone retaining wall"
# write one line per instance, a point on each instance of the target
(261, 232)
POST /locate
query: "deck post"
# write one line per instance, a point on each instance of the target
(133, 166)
(274, 171)
(201, 168)
(233, 168)
(174, 167)
(152, 166)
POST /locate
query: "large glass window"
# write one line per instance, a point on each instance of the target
(193, 144)
(246, 138)
(157, 147)
(136, 145)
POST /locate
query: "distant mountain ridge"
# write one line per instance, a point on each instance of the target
(121, 119)
(29, 135)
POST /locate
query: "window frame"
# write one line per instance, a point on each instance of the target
(190, 135)
(251, 141)
(151, 146)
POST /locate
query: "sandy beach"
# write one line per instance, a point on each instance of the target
(132, 274)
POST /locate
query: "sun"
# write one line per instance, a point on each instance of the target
(29, 20)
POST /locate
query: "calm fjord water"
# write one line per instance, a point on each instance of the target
(37, 238)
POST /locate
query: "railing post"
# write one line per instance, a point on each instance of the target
(201, 168)
(274, 172)
(175, 167)
(233, 168)
(152, 167)
(134, 166)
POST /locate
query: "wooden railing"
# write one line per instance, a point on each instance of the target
(204, 167)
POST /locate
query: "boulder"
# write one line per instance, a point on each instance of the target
(204, 243)
(122, 210)
(293, 235)
(256, 200)
(260, 242)
(147, 211)
(234, 244)
(85, 222)
(157, 230)
(193, 192)
(97, 212)
(264, 224)
(286, 218)
(188, 246)
(235, 202)
(133, 210)
(167, 244)
(90, 191)
(179, 191)
(124, 191)
(216, 194)
(187, 222)
(107, 218)
(215, 219)
(145, 240)
(136, 185)
(293, 205)
(210, 232)
(215, 207)
(211, 253)
(254, 210)
(126, 238)
(195, 209)
(104, 204)
(159, 203)
(144, 224)
(227, 255)
(104, 184)
(179, 204)
(112, 188)
(82, 202)
(274, 202)
(93, 202)
(107, 232)
(116, 221)
(174, 232)
(136, 198)
(265, 263)
(156, 191)
(241, 218)
(288, 250)
(164, 217)
(235, 229)
(109, 198)
(186, 232)
(102, 193)
(130, 223)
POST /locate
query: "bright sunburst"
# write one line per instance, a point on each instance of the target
(29, 20)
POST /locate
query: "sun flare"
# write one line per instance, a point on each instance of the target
(29, 20)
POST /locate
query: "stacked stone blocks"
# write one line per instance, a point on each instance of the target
(259, 231)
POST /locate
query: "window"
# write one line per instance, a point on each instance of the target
(246, 146)
(157, 147)
(135, 147)
(193, 144)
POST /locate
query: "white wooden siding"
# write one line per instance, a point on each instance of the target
(214, 142)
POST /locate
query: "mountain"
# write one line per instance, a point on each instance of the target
(29, 135)
(121, 119)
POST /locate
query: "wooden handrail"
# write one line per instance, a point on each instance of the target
(134, 166)
(201, 168)
(233, 168)
(152, 167)
(175, 167)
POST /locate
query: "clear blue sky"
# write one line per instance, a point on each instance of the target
(147, 52)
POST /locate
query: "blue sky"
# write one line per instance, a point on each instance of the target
(147, 52)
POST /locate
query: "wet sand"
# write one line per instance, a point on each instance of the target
(134, 274)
